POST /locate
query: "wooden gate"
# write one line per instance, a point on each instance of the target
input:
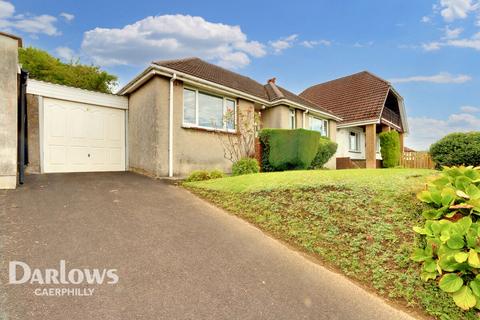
(417, 160)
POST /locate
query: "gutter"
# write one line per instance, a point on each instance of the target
(170, 126)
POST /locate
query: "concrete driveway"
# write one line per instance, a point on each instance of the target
(177, 257)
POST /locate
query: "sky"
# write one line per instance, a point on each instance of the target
(428, 49)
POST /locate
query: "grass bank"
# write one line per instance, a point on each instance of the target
(356, 221)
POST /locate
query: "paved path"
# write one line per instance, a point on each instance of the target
(177, 256)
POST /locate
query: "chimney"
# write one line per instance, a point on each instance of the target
(272, 80)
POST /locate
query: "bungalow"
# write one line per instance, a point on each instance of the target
(351, 111)
(167, 121)
(177, 106)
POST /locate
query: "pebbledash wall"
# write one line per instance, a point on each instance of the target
(8, 107)
(148, 125)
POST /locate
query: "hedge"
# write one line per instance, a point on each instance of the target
(390, 148)
(457, 149)
(326, 150)
(284, 149)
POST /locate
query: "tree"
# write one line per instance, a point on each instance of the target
(43, 66)
(241, 144)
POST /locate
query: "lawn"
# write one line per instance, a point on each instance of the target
(358, 222)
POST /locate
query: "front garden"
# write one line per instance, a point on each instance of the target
(358, 222)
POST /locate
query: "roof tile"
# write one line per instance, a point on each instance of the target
(358, 97)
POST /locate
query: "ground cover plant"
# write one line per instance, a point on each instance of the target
(451, 233)
(358, 222)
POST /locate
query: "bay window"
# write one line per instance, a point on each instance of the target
(319, 125)
(208, 111)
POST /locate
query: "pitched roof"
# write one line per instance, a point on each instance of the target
(276, 93)
(358, 97)
(207, 71)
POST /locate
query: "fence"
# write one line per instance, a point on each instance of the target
(417, 160)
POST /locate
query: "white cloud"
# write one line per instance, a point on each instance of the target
(363, 45)
(426, 19)
(470, 109)
(432, 46)
(471, 43)
(283, 43)
(456, 9)
(34, 25)
(171, 36)
(6, 9)
(65, 54)
(424, 131)
(314, 43)
(67, 16)
(442, 77)
(452, 33)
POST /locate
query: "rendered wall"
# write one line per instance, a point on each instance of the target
(147, 128)
(193, 149)
(8, 112)
(199, 149)
(276, 117)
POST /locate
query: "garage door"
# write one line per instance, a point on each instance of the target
(82, 137)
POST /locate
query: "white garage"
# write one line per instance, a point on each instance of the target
(80, 130)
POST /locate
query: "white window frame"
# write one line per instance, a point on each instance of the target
(357, 142)
(196, 125)
(325, 124)
(293, 119)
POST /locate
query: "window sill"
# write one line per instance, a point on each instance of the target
(190, 127)
(354, 151)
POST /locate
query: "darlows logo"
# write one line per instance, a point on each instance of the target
(21, 273)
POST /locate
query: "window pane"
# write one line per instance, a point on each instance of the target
(292, 119)
(229, 116)
(189, 106)
(319, 125)
(353, 141)
(210, 111)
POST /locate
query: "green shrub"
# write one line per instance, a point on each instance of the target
(284, 149)
(451, 235)
(390, 148)
(216, 174)
(245, 166)
(326, 150)
(457, 149)
(202, 175)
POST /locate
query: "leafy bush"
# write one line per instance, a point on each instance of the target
(245, 166)
(457, 149)
(216, 174)
(390, 148)
(202, 175)
(284, 149)
(326, 150)
(43, 66)
(452, 234)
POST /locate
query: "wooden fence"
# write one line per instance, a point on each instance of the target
(417, 160)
